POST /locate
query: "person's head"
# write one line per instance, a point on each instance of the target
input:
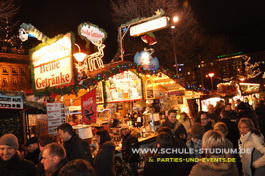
(197, 130)
(228, 107)
(238, 101)
(184, 116)
(204, 118)
(102, 137)
(221, 127)
(225, 114)
(52, 154)
(166, 130)
(210, 108)
(8, 146)
(65, 131)
(214, 141)
(172, 116)
(124, 129)
(46, 139)
(241, 106)
(78, 167)
(246, 125)
(163, 140)
(32, 144)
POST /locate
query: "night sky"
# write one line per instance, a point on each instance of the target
(242, 21)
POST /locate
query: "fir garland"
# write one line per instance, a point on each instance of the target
(109, 71)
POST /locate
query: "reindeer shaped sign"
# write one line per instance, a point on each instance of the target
(91, 33)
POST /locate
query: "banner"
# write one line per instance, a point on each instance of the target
(89, 107)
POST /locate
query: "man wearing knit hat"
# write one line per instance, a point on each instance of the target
(10, 162)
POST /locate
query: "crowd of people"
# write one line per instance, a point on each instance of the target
(222, 141)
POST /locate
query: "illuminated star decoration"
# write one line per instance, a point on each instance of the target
(124, 29)
(158, 12)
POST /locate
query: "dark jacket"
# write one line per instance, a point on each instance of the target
(104, 161)
(177, 128)
(17, 167)
(34, 156)
(77, 148)
(159, 165)
(208, 126)
(233, 133)
(260, 111)
(130, 142)
(55, 171)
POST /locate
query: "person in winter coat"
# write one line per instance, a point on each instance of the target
(177, 128)
(129, 142)
(160, 164)
(251, 139)
(104, 161)
(10, 162)
(194, 142)
(260, 111)
(76, 148)
(53, 159)
(212, 141)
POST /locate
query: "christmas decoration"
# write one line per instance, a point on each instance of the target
(29, 29)
(149, 38)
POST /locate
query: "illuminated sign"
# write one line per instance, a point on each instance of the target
(91, 32)
(149, 26)
(125, 86)
(53, 65)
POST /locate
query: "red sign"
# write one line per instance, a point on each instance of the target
(89, 107)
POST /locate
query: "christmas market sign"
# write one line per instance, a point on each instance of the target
(53, 64)
(125, 86)
(91, 32)
(149, 26)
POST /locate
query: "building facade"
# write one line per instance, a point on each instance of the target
(14, 72)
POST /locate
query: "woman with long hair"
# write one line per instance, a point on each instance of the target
(253, 142)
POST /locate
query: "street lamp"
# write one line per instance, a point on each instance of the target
(211, 76)
(175, 19)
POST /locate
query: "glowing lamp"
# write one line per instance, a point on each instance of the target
(211, 75)
(79, 56)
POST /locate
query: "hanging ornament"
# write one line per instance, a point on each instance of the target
(149, 38)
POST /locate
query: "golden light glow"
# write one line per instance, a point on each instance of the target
(79, 56)
(211, 74)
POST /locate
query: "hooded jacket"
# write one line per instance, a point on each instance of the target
(214, 169)
(104, 161)
(17, 167)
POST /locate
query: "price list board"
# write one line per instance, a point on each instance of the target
(56, 116)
